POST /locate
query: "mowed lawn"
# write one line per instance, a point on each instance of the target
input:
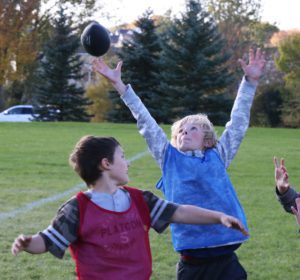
(34, 167)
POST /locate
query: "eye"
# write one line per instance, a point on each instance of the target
(193, 128)
(180, 130)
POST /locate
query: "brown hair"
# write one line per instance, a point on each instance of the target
(88, 154)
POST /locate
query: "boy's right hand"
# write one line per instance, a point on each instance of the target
(281, 176)
(20, 243)
(113, 75)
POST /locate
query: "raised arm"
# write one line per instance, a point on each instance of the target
(148, 127)
(281, 176)
(236, 128)
(286, 194)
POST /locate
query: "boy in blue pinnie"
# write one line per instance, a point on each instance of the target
(193, 168)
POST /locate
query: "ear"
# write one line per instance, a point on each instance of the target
(208, 143)
(104, 164)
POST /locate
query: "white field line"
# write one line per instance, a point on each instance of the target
(43, 201)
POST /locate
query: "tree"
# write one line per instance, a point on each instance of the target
(236, 20)
(288, 62)
(194, 76)
(57, 96)
(267, 106)
(140, 56)
(97, 93)
(19, 40)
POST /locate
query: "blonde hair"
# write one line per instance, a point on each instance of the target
(199, 119)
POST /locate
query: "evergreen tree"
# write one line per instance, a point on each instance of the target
(57, 96)
(194, 75)
(140, 56)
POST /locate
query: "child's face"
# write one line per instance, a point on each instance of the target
(119, 167)
(190, 137)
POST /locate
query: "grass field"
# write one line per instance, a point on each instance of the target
(34, 166)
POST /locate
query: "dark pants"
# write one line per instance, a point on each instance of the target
(218, 268)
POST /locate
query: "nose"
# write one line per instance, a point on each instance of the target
(128, 163)
(184, 131)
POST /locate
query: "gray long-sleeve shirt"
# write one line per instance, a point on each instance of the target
(287, 199)
(229, 141)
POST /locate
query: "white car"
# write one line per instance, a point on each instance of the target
(18, 113)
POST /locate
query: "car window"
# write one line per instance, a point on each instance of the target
(27, 111)
(15, 111)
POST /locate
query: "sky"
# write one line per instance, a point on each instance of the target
(285, 13)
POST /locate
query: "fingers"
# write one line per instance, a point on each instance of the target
(20, 243)
(294, 210)
(236, 224)
(276, 163)
(119, 66)
(242, 63)
(258, 55)
(251, 55)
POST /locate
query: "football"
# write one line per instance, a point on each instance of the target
(95, 39)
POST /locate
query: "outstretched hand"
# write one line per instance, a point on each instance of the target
(254, 69)
(281, 176)
(295, 211)
(113, 75)
(231, 222)
(20, 243)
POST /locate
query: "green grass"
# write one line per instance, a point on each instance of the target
(34, 165)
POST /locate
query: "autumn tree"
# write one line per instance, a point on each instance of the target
(19, 44)
(98, 94)
(288, 62)
(235, 19)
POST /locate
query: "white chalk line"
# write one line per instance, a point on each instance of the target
(43, 201)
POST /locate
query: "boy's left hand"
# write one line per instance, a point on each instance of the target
(254, 69)
(231, 222)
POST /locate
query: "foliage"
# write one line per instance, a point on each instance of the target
(57, 96)
(13, 93)
(288, 62)
(291, 107)
(267, 106)
(194, 77)
(97, 93)
(236, 20)
(81, 9)
(261, 33)
(20, 32)
(140, 56)
(18, 37)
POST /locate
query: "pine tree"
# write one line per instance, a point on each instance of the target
(140, 56)
(57, 96)
(194, 75)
